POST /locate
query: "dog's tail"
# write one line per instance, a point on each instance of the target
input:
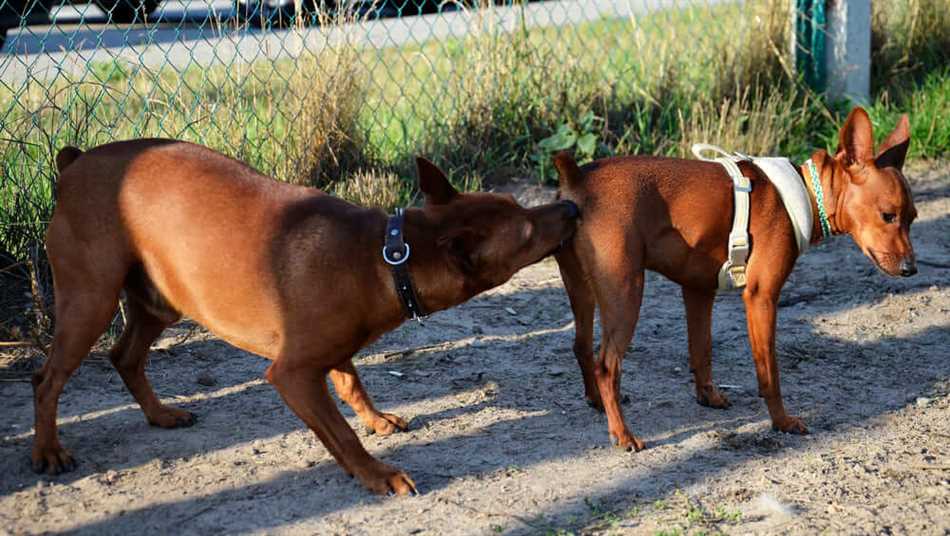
(569, 174)
(66, 156)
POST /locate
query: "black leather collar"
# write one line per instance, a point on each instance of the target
(396, 254)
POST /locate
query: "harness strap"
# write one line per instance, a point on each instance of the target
(396, 252)
(732, 275)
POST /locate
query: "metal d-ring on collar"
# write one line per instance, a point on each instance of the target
(395, 253)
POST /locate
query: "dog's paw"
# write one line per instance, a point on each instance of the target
(52, 460)
(169, 417)
(387, 423)
(711, 397)
(387, 480)
(627, 441)
(790, 425)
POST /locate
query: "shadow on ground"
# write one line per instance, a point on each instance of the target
(512, 364)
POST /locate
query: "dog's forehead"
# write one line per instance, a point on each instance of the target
(889, 186)
(895, 184)
(905, 189)
(487, 201)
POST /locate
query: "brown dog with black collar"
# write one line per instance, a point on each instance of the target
(285, 272)
(673, 216)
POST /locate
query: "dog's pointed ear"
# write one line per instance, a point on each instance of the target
(433, 183)
(893, 150)
(461, 243)
(856, 139)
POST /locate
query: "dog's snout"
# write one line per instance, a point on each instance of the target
(572, 211)
(908, 267)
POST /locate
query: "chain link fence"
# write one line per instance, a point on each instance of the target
(342, 94)
(309, 91)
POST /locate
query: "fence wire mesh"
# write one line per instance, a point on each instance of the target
(312, 92)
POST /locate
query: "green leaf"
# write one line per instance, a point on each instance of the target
(587, 145)
(587, 121)
(564, 138)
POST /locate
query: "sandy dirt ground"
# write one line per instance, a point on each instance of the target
(501, 440)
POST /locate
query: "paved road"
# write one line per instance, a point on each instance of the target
(205, 32)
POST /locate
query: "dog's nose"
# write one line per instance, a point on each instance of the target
(572, 211)
(908, 267)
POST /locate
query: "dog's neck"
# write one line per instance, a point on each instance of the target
(833, 184)
(437, 286)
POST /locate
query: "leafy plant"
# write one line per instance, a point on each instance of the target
(581, 137)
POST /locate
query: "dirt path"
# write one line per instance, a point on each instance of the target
(502, 441)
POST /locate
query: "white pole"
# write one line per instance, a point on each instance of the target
(848, 50)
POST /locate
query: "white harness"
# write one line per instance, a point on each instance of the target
(791, 189)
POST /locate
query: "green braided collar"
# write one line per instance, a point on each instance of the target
(819, 198)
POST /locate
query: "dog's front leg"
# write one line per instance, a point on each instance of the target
(760, 304)
(304, 389)
(349, 388)
(699, 308)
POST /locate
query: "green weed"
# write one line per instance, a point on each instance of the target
(493, 104)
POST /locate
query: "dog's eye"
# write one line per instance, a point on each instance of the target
(888, 217)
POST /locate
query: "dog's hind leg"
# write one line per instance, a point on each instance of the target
(87, 295)
(619, 291)
(699, 306)
(582, 300)
(349, 388)
(130, 354)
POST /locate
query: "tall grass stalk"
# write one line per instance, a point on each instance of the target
(486, 106)
(298, 125)
(909, 39)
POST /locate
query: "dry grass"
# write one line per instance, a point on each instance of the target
(510, 88)
(329, 138)
(654, 83)
(758, 73)
(909, 38)
(478, 105)
(751, 123)
(377, 189)
(298, 125)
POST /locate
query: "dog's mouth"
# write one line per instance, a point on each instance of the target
(871, 254)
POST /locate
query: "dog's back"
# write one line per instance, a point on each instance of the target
(678, 211)
(176, 213)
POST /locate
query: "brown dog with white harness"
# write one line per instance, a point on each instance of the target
(286, 272)
(674, 217)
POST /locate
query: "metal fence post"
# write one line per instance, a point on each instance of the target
(832, 46)
(848, 50)
(808, 41)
